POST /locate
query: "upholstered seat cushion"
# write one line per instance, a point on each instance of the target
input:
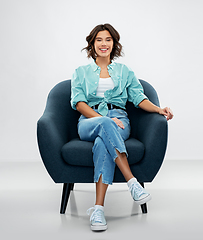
(77, 152)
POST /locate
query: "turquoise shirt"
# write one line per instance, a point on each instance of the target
(85, 81)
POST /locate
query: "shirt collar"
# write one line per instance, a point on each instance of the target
(95, 67)
(111, 65)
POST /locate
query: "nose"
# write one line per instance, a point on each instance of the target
(103, 43)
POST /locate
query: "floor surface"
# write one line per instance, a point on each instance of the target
(30, 201)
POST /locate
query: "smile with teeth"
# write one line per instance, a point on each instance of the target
(103, 49)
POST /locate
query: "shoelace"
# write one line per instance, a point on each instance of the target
(135, 188)
(96, 215)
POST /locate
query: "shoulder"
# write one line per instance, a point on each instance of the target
(123, 67)
(128, 74)
(83, 67)
(124, 70)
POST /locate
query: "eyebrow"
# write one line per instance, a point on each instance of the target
(101, 37)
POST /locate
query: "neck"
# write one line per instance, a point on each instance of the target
(103, 62)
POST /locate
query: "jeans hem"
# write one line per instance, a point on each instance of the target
(124, 151)
(103, 181)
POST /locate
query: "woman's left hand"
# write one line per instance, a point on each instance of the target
(166, 112)
(118, 122)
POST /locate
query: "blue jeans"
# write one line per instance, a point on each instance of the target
(107, 137)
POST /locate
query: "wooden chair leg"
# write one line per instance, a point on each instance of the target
(67, 187)
(143, 206)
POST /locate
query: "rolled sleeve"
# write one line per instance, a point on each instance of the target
(135, 90)
(77, 92)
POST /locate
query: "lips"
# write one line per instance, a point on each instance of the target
(103, 49)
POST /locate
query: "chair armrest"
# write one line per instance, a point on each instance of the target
(51, 137)
(57, 126)
(152, 131)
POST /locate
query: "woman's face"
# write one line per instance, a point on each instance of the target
(103, 44)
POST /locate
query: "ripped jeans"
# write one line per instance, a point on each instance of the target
(107, 137)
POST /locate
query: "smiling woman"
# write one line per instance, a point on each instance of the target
(99, 91)
(95, 36)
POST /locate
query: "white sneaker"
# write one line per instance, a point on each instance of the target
(97, 219)
(139, 194)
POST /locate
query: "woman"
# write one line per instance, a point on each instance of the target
(99, 92)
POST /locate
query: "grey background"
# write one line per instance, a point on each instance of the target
(40, 46)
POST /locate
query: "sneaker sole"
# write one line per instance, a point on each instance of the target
(144, 200)
(98, 228)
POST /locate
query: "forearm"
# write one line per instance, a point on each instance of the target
(149, 106)
(86, 111)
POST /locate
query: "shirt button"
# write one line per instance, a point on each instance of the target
(95, 82)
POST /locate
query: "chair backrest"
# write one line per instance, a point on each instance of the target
(59, 102)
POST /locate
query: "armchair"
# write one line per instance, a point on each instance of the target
(61, 149)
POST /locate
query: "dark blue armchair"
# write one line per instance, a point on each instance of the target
(68, 160)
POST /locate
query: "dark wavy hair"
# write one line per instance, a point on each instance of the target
(117, 47)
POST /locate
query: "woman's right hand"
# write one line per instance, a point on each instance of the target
(86, 111)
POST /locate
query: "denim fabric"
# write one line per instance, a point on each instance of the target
(107, 137)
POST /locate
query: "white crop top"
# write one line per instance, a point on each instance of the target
(104, 84)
